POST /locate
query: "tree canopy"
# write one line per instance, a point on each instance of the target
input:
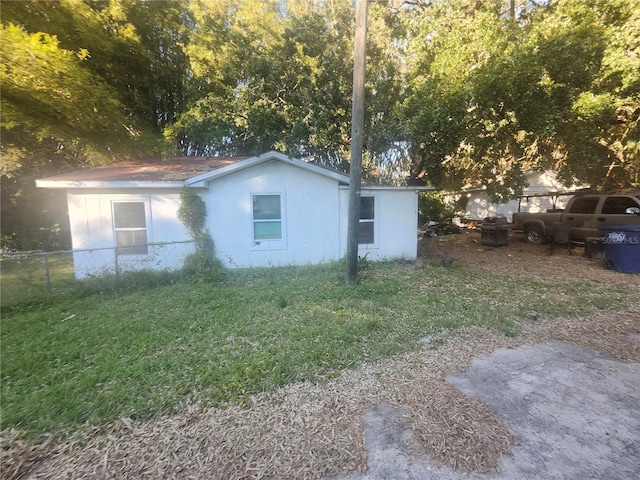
(458, 91)
(494, 93)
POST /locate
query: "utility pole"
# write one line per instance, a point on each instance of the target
(357, 139)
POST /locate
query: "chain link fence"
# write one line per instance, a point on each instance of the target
(29, 274)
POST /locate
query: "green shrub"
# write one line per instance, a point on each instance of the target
(431, 206)
(201, 267)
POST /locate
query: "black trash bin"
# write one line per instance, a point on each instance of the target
(622, 248)
(495, 231)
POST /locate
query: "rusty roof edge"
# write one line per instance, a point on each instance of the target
(97, 184)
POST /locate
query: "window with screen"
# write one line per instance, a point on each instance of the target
(367, 219)
(130, 226)
(267, 218)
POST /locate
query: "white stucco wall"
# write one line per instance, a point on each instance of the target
(314, 215)
(310, 214)
(91, 221)
(395, 226)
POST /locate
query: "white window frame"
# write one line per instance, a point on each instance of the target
(373, 220)
(269, 244)
(147, 228)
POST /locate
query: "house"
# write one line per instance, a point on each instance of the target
(268, 210)
(543, 192)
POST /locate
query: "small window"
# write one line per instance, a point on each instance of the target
(267, 218)
(367, 218)
(618, 205)
(584, 205)
(130, 226)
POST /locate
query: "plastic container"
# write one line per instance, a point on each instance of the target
(622, 248)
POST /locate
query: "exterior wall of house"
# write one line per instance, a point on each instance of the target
(313, 222)
(310, 216)
(480, 206)
(93, 234)
(395, 224)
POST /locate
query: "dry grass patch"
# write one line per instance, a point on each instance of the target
(313, 431)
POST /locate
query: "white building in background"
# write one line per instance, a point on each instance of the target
(544, 192)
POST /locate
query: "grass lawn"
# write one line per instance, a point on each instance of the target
(90, 357)
(28, 278)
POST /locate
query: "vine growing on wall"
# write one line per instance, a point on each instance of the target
(193, 213)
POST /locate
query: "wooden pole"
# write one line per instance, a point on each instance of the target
(357, 139)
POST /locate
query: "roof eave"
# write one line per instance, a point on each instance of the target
(408, 188)
(86, 184)
(201, 180)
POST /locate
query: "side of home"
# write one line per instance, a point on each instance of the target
(269, 210)
(126, 229)
(272, 214)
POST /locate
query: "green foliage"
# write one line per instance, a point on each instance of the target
(32, 219)
(83, 83)
(201, 267)
(364, 265)
(432, 207)
(493, 97)
(86, 360)
(271, 78)
(457, 91)
(48, 94)
(192, 211)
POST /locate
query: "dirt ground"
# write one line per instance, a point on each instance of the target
(520, 258)
(432, 414)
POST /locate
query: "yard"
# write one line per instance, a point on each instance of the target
(267, 372)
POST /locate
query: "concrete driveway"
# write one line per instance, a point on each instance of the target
(574, 414)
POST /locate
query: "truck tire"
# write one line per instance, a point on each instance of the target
(533, 234)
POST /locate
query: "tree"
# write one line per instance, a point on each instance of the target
(459, 90)
(492, 96)
(279, 79)
(83, 83)
(48, 95)
(600, 141)
(97, 77)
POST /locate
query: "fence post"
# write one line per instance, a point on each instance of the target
(46, 268)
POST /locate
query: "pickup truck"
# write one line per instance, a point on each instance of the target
(585, 214)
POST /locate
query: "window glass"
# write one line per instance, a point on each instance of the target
(267, 231)
(367, 217)
(366, 208)
(584, 205)
(130, 225)
(617, 205)
(131, 242)
(266, 207)
(365, 232)
(129, 215)
(267, 217)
